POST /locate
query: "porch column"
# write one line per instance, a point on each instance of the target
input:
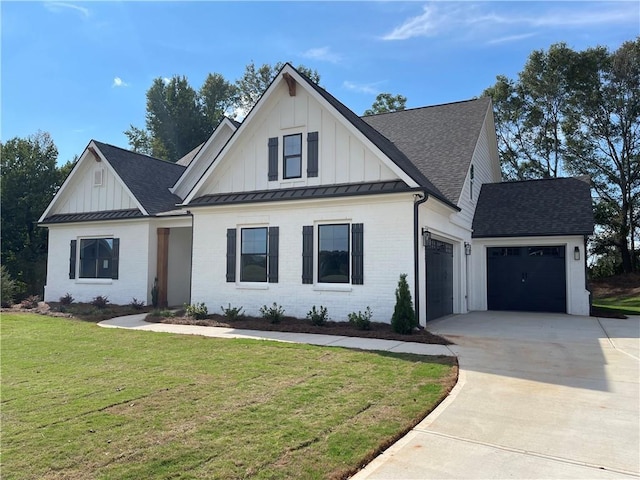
(163, 265)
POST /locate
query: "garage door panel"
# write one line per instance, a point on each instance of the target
(526, 278)
(439, 266)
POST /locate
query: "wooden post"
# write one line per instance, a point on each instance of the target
(163, 265)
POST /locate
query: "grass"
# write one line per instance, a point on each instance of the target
(83, 402)
(626, 305)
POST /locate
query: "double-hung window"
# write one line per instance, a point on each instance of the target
(292, 156)
(333, 253)
(258, 251)
(98, 258)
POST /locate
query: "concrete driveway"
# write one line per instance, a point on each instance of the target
(539, 396)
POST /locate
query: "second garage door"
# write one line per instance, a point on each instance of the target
(531, 278)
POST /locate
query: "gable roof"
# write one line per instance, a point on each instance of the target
(560, 206)
(438, 140)
(148, 178)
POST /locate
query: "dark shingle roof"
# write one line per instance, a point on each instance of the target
(438, 140)
(302, 193)
(93, 216)
(148, 178)
(560, 206)
(396, 154)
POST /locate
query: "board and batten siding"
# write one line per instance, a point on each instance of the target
(387, 253)
(342, 158)
(83, 196)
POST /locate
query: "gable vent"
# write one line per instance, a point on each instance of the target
(98, 177)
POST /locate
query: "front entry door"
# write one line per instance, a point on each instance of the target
(439, 266)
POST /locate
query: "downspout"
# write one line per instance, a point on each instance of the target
(420, 198)
(191, 258)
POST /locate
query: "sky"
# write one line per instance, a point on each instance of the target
(80, 70)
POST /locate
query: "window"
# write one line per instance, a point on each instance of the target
(98, 258)
(253, 255)
(258, 254)
(333, 253)
(292, 156)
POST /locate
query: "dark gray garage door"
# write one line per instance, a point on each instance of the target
(439, 257)
(531, 279)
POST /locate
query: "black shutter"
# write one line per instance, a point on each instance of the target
(273, 158)
(357, 257)
(72, 259)
(273, 254)
(115, 254)
(307, 254)
(231, 255)
(312, 154)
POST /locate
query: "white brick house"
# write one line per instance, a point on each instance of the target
(305, 203)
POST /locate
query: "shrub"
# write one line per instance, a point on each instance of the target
(318, 317)
(99, 301)
(8, 288)
(66, 299)
(154, 293)
(198, 311)
(362, 321)
(403, 319)
(136, 304)
(274, 314)
(162, 313)
(232, 313)
(30, 302)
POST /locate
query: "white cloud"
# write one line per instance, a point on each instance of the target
(60, 6)
(466, 17)
(368, 88)
(510, 38)
(323, 53)
(118, 82)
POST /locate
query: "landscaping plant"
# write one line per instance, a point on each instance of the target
(318, 317)
(362, 321)
(274, 313)
(198, 311)
(232, 313)
(403, 319)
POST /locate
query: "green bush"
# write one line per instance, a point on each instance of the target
(274, 314)
(362, 321)
(99, 302)
(8, 288)
(404, 318)
(198, 311)
(232, 313)
(136, 304)
(318, 317)
(162, 313)
(66, 299)
(154, 293)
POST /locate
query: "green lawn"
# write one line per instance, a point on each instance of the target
(80, 401)
(628, 305)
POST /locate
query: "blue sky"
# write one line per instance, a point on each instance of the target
(80, 70)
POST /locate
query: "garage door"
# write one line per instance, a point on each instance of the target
(439, 257)
(529, 279)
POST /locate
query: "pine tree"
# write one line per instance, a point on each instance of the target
(404, 318)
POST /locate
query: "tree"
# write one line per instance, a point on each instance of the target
(385, 103)
(404, 317)
(602, 128)
(218, 98)
(29, 181)
(255, 81)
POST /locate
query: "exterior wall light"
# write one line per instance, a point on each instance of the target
(426, 236)
(576, 253)
(467, 248)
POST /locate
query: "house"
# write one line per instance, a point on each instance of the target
(305, 203)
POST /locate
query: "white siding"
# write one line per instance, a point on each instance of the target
(388, 252)
(81, 195)
(133, 263)
(343, 158)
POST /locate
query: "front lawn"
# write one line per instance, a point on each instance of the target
(80, 401)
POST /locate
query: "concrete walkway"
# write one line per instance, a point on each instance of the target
(538, 396)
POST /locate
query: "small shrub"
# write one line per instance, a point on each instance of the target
(318, 317)
(162, 313)
(30, 302)
(274, 313)
(403, 319)
(362, 321)
(8, 288)
(198, 311)
(136, 304)
(232, 313)
(99, 301)
(154, 293)
(66, 299)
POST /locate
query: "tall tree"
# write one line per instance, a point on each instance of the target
(602, 128)
(218, 98)
(255, 81)
(29, 180)
(385, 103)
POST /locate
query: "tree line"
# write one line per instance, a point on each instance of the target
(567, 113)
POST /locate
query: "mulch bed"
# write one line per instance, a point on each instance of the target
(296, 325)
